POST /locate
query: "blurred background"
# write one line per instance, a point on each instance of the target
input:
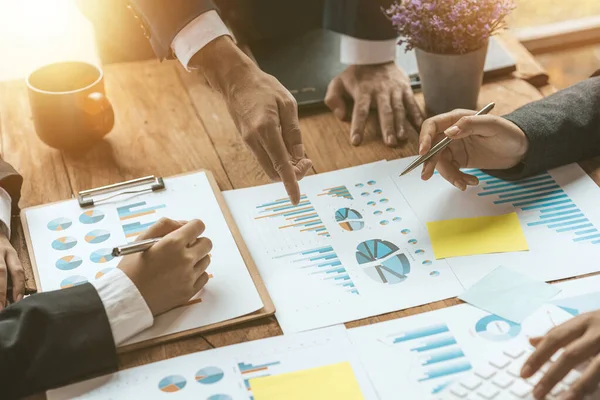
(563, 35)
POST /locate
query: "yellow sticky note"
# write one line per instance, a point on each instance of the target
(332, 382)
(480, 235)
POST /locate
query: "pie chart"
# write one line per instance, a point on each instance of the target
(220, 397)
(103, 272)
(71, 281)
(383, 261)
(101, 256)
(67, 263)
(97, 236)
(59, 224)
(172, 383)
(64, 243)
(91, 217)
(496, 328)
(209, 375)
(349, 219)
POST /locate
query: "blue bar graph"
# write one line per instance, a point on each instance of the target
(140, 212)
(324, 264)
(250, 371)
(436, 351)
(301, 217)
(338, 191)
(542, 197)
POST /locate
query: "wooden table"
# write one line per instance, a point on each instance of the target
(169, 122)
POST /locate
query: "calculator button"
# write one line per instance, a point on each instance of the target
(503, 380)
(488, 391)
(500, 361)
(471, 382)
(485, 371)
(514, 353)
(459, 391)
(571, 377)
(520, 389)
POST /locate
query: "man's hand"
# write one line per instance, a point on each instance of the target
(485, 141)
(10, 265)
(173, 270)
(383, 86)
(580, 338)
(264, 112)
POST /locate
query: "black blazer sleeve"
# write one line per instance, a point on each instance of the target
(162, 20)
(53, 338)
(363, 19)
(11, 181)
(562, 128)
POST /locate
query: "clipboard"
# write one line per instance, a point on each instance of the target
(87, 199)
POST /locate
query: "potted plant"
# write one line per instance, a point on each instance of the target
(450, 39)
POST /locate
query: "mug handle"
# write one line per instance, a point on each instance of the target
(100, 112)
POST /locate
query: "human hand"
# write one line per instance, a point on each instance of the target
(265, 113)
(483, 141)
(580, 338)
(384, 86)
(10, 264)
(173, 270)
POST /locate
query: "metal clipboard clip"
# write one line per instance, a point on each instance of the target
(139, 185)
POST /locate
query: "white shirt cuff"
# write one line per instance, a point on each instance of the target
(5, 212)
(355, 51)
(197, 34)
(127, 311)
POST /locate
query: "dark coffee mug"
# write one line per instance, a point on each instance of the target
(69, 105)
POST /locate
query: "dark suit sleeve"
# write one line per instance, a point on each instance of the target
(562, 128)
(162, 19)
(11, 181)
(53, 338)
(362, 19)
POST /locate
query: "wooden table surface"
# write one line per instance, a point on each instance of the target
(169, 122)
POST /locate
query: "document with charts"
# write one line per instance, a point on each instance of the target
(228, 373)
(419, 356)
(558, 210)
(73, 245)
(352, 248)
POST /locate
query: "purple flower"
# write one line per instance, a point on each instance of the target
(448, 26)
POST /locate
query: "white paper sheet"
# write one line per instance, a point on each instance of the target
(419, 356)
(91, 234)
(223, 374)
(558, 211)
(308, 254)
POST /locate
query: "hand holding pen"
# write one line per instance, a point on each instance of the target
(478, 141)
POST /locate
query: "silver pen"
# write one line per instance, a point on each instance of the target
(441, 145)
(135, 247)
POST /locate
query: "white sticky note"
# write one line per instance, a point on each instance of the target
(509, 294)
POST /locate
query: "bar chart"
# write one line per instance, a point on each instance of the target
(250, 371)
(542, 196)
(337, 191)
(285, 216)
(322, 263)
(438, 356)
(136, 218)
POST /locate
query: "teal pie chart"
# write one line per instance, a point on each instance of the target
(67, 263)
(59, 224)
(91, 217)
(172, 383)
(382, 261)
(64, 243)
(349, 219)
(220, 397)
(101, 256)
(209, 375)
(97, 236)
(496, 328)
